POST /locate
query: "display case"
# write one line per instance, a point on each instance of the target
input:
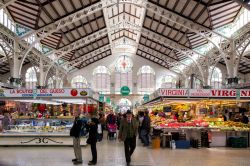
(26, 131)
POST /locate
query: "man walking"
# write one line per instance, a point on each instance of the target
(145, 129)
(75, 133)
(127, 133)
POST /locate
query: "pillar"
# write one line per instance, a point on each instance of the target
(42, 75)
(15, 67)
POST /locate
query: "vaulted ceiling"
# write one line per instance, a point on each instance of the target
(96, 26)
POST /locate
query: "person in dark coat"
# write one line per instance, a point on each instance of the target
(75, 133)
(145, 129)
(244, 119)
(127, 133)
(92, 128)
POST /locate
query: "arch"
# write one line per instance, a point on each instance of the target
(101, 79)
(31, 77)
(79, 82)
(146, 80)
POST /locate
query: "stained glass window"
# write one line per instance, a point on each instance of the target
(124, 64)
(146, 80)
(168, 81)
(101, 79)
(215, 77)
(31, 78)
(123, 74)
(79, 82)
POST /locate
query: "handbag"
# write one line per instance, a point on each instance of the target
(99, 129)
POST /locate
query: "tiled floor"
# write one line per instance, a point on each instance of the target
(111, 153)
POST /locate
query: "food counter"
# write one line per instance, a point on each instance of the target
(26, 132)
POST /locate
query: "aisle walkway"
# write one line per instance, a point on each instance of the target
(110, 153)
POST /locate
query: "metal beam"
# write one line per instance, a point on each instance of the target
(80, 60)
(4, 4)
(78, 44)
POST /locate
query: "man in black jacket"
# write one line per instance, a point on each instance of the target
(145, 129)
(92, 128)
(75, 133)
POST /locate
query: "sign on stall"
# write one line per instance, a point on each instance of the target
(173, 92)
(46, 93)
(199, 92)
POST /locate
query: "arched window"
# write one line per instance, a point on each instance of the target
(31, 78)
(215, 77)
(51, 83)
(79, 82)
(101, 80)
(123, 73)
(146, 80)
(168, 81)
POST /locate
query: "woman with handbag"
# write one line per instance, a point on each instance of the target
(92, 128)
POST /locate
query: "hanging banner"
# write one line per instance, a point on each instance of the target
(46, 93)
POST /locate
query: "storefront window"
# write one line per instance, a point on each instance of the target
(79, 82)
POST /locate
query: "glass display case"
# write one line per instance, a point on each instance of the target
(41, 126)
(33, 132)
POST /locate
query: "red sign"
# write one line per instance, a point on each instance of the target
(223, 93)
(173, 92)
(244, 93)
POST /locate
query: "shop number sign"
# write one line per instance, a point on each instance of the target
(125, 91)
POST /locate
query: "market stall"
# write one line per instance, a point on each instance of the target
(43, 116)
(210, 116)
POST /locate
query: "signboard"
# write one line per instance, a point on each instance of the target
(223, 93)
(101, 97)
(46, 93)
(212, 93)
(125, 91)
(108, 100)
(173, 92)
(146, 98)
(199, 92)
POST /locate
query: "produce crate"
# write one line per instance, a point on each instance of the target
(237, 142)
(182, 144)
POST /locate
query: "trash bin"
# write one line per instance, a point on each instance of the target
(156, 142)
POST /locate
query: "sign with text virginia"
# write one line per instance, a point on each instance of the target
(205, 93)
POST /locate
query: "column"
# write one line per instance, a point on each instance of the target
(42, 75)
(15, 67)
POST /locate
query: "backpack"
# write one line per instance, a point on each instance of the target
(84, 130)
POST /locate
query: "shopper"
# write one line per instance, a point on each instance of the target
(244, 118)
(145, 129)
(75, 133)
(111, 124)
(92, 127)
(102, 123)
(127, 133)
(140, 119)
